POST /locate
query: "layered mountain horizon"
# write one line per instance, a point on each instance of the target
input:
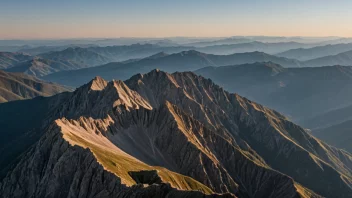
(223, 117)
(46, 60)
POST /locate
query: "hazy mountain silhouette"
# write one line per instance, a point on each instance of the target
(9, 59)
(316, 52)
(183, 61)
(225, 41)
(45, 49)
(18, 86)
(41, 67)
(297, 92)
(82, 56)
(344, 59)
(270, 48)
(135, 51)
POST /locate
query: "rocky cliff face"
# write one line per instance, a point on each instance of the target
(173, 135)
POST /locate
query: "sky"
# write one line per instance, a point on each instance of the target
(53, 19)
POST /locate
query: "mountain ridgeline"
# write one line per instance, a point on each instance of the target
(46, 60)
(8, 59)
(304, 54)
(18, 86)
(164, 135)
(183, 61)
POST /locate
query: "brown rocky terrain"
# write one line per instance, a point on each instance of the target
(169, 135)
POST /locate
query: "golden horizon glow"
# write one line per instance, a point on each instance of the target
(51, 19)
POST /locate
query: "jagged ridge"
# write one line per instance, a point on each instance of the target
(184, 125)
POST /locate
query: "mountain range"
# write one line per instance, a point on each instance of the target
(70, 57)
(344, 58)
(124, 52)
(41, 67)
(270, 48)
(183, 61)
(79, 55)
(316, 52)
(45, 49)
(160, 134)
(8, 59)
(18, 86)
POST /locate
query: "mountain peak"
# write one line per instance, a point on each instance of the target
(98, 83)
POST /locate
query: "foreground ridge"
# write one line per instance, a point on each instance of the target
(175, 135)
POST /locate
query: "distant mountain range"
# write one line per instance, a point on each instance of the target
(72, 58)
(83, 56)
(51, 62)
(344, 58)
(183, 61)
(167, 135)
(136, 51)
(225, 41)
(124, 52)
(41, 67)
(270, 48)
(17, 86)
(316, 52)
(297, 92)
(45, 49)
(9, 59)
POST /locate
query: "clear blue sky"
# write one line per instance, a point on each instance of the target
(165, 18)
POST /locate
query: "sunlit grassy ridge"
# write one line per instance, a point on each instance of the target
(120, 164)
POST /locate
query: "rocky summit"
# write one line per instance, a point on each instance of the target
(164, 135)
